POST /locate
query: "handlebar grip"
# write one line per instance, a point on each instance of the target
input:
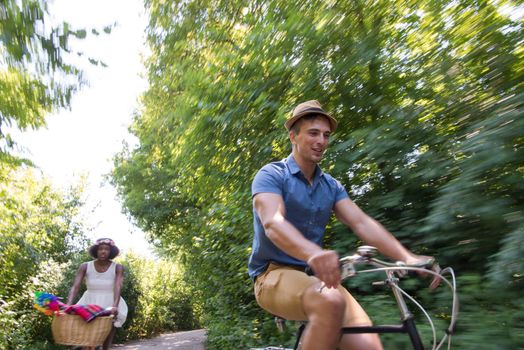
(309, 271)
(428, 265)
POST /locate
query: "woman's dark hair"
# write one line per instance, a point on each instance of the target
(93, 250)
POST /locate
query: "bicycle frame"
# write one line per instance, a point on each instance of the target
(407, 325)
(408, 322)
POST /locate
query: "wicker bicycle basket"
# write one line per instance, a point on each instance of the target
(73, 330)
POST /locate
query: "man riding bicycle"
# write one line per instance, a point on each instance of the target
(293, 201)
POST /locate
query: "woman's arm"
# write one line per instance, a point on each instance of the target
(80, 274)
(119, 280)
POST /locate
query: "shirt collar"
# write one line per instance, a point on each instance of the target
(295, 169)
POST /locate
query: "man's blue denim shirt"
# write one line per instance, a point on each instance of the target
(308, 207)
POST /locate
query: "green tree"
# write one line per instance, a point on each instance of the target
(36, 73)
(160, 299)
(40, 232)
(429, 99)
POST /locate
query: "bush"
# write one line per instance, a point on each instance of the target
(160, 299)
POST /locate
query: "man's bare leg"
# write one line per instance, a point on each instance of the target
(360, 342)
(325, 312)
(359, 317)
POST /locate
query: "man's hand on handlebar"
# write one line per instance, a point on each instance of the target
(426, 262)
(326, 267)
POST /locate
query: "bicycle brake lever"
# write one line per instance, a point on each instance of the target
(428, 265)
(402, 273)
(347, 269)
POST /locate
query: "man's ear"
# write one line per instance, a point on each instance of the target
(292, 136)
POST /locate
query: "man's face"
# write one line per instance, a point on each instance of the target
(312, 140)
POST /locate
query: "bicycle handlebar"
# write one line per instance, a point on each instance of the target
(365, 255)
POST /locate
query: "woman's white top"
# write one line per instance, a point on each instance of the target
(100, 291)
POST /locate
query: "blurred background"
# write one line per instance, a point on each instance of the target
(429, 96)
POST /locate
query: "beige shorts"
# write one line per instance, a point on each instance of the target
(279, 290)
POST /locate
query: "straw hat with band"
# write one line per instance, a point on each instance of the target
(93, 250)
(309, 107)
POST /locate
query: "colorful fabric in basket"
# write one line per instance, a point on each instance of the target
(87, 312)
(48, 303)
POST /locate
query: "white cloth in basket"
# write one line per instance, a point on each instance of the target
(100, 291)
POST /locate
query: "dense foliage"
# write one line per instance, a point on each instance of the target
(37, 73)
(40, 230)
(39, 234)
(158, 298)
(429, 96)
(42, 236)
(43, 242)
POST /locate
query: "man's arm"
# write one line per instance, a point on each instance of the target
(371, 232)
(271, 211)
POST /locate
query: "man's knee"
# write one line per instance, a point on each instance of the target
(329, 303)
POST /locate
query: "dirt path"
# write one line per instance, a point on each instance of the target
(191, 340)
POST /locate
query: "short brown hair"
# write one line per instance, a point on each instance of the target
(296, 126)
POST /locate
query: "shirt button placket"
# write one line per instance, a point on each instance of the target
(312, 206)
